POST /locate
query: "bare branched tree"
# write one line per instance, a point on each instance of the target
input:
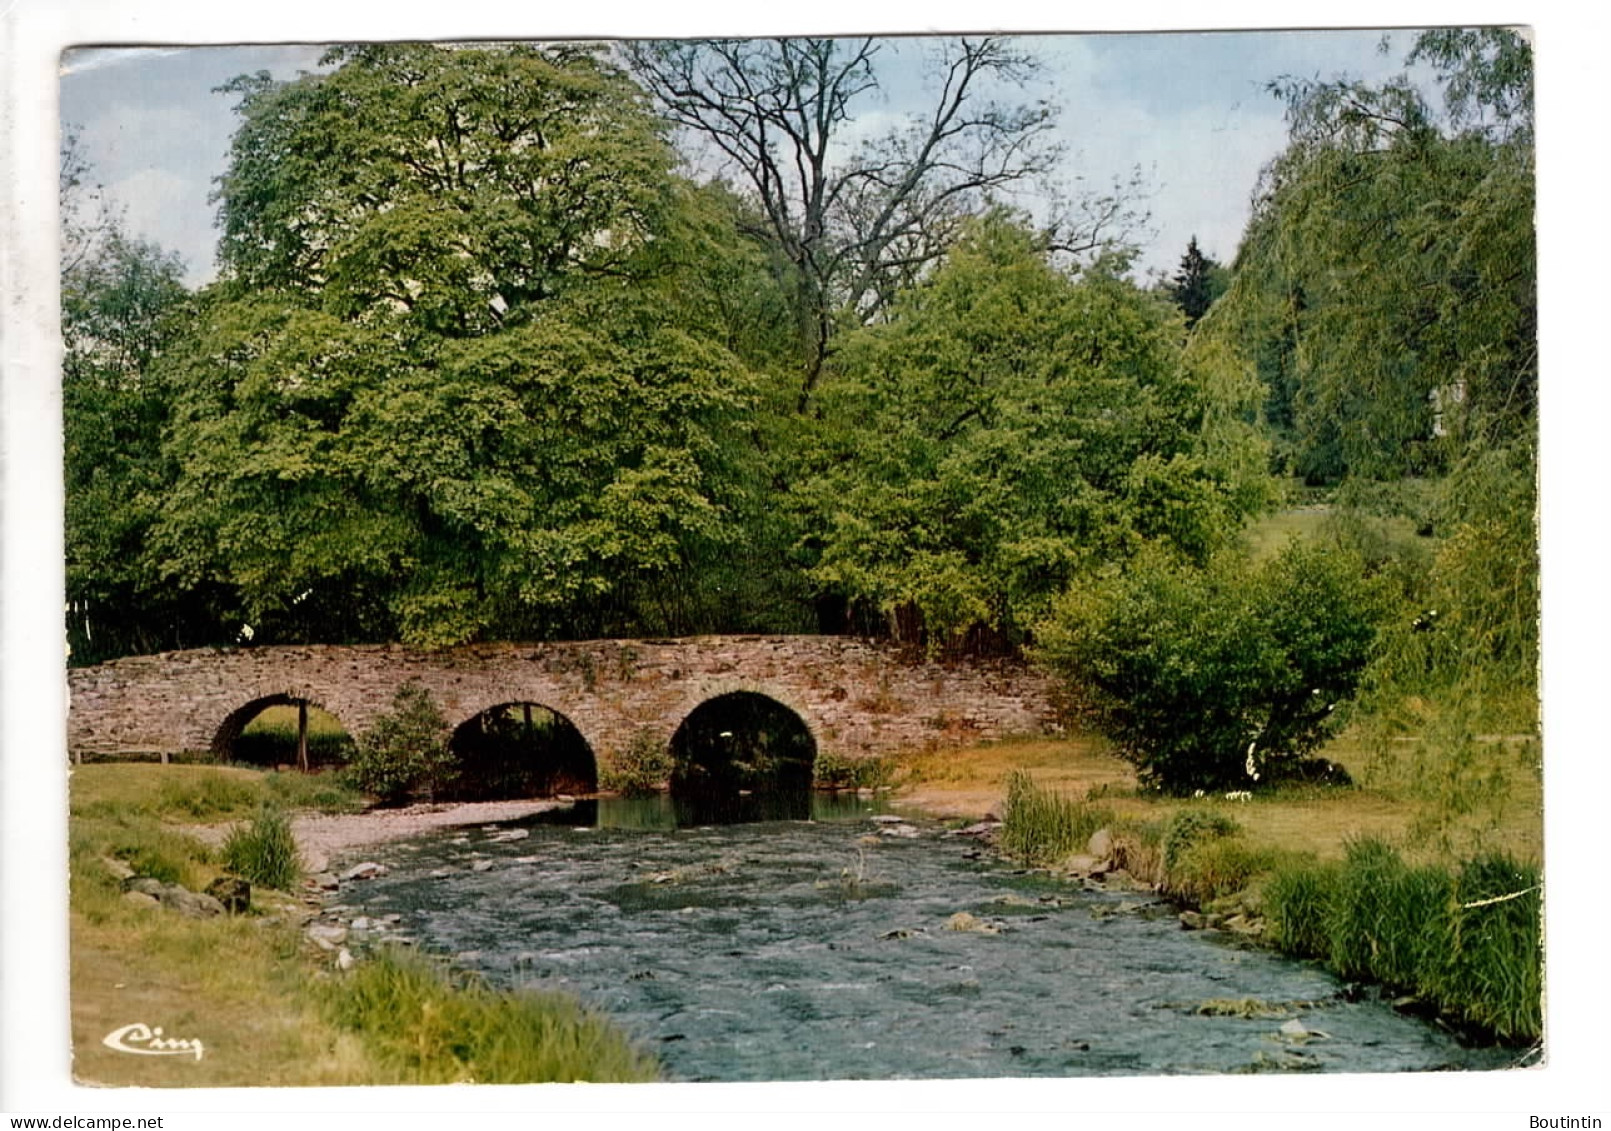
(856, 219)
(86, 217)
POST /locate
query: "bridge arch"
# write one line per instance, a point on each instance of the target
(521, 748)
(742, 741)
(327, 744)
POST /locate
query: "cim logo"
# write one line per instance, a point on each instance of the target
(144, 1041)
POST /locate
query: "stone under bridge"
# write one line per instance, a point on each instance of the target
(857, 699)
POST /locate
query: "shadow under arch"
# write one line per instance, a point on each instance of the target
(520, 749)
(277, 741)
(743, 756)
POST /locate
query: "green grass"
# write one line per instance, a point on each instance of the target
(202, 794)
(1219, 867)
(1298, 899)
(205, 798)
(273, 1011)
(264, 851)
(1378, 915)
(328, 792)
(1467, 939)
(282, 719)
(1042, 827)
(430, 1025)
(1267, 536)
(270, 738)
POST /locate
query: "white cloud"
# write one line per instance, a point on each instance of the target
(162, 206)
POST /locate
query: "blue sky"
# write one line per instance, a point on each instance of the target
(1189, 110)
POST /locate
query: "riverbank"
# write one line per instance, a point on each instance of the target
(261, 1004)
(1455, 936)
(970, 784)
(323, 838)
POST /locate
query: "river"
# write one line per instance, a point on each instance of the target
(826, 950)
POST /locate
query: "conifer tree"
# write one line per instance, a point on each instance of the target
(1196, 284)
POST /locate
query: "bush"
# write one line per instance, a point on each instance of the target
(641, 770)
(835, 771)
(405, 751)
(1192, 827)
(264, 851)
(1219, 677)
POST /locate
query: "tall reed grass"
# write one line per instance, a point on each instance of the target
(1042, 827)
(264, 851)
(1467, 940)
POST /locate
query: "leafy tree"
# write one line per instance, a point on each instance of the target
(405, 751)
(1471, 631)
(458, 186)
(856, 225)
(1215, 677)
(1007, 428)
(122, 303)
(1387, 283)
(1487, 77)
(440, 393)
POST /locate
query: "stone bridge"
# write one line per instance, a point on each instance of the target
(857, 699)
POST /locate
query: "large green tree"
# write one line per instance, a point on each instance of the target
(122, 303)
(1387, 282)
(1007, 428)
(446, 389)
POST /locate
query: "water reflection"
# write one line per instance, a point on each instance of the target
(664, 812)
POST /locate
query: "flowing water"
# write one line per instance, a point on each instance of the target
(820, 949)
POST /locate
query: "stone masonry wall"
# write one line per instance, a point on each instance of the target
(858, 698)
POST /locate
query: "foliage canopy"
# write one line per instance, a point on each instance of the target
(1007, 428)
(437, 394)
